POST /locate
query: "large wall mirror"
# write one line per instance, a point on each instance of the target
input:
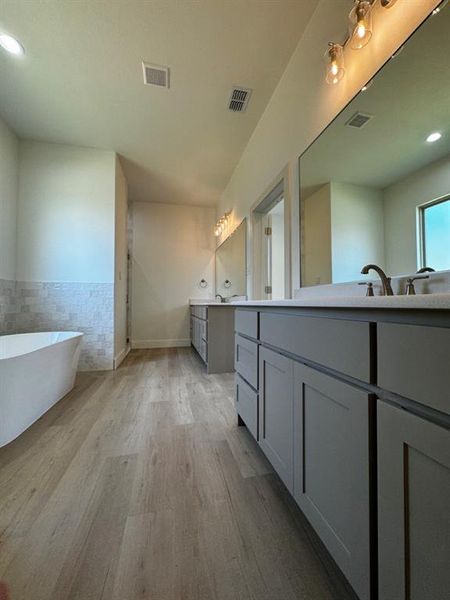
(231, 275)
(375, 186)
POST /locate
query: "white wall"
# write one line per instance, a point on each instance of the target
(173, 249)
(303, 104)
(357, 230)
(66, 214)
(343, 230)
(400, 211)
(120, 260)
(9, 173)
(316, 247)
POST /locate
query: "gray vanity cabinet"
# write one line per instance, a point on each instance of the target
(332, 468)
(413, 506)
(276, 423)
(372, 479)
(212, 335)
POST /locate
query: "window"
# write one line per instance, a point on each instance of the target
(435, 234)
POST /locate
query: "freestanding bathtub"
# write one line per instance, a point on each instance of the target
(36, 370)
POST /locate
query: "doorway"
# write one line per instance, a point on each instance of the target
(269, 221)
(273, 251)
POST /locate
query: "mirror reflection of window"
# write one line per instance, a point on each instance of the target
(435, 232)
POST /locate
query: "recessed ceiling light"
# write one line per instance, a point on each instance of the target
(434, 137)
(10, 44)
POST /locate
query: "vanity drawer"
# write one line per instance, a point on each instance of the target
(203, 350)
(201, 312)
(414, 361)
(246, 359)
(246, 401)
(340, 345)
(246, 322)
(203, 329)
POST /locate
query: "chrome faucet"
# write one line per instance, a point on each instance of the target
(221, 298)
(385, 280)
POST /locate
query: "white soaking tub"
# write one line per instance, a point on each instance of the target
(36, 370)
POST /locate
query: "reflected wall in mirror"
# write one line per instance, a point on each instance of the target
(373, 189)
(231, 277)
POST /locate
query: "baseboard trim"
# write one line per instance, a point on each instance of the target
(121, 356)
(142, 344)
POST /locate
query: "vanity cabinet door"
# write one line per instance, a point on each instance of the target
(276, 413)
(332, 469)
(413, 506)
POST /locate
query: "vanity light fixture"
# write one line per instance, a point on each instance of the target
(11, 45)
(335, 68)
(360, 25)
(221, 224)
(434, 137)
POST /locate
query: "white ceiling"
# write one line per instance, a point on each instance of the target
(80, 82)
(409, 99)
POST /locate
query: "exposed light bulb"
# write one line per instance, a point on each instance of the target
(361, 30)
(360, 19)
(334, 57)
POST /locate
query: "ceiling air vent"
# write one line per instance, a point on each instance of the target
(239, 99)
(359, 120)
(155, 75)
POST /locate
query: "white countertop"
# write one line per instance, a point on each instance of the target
(420, 301)
(214, 302)
(208, 303)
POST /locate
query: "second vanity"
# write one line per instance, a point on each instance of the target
(212, 334)
(351, 405)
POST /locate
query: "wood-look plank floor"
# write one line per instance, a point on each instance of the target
(139, 485)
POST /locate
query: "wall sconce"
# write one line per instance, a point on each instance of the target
(221, 224)
(360, 25)
(334, 58)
